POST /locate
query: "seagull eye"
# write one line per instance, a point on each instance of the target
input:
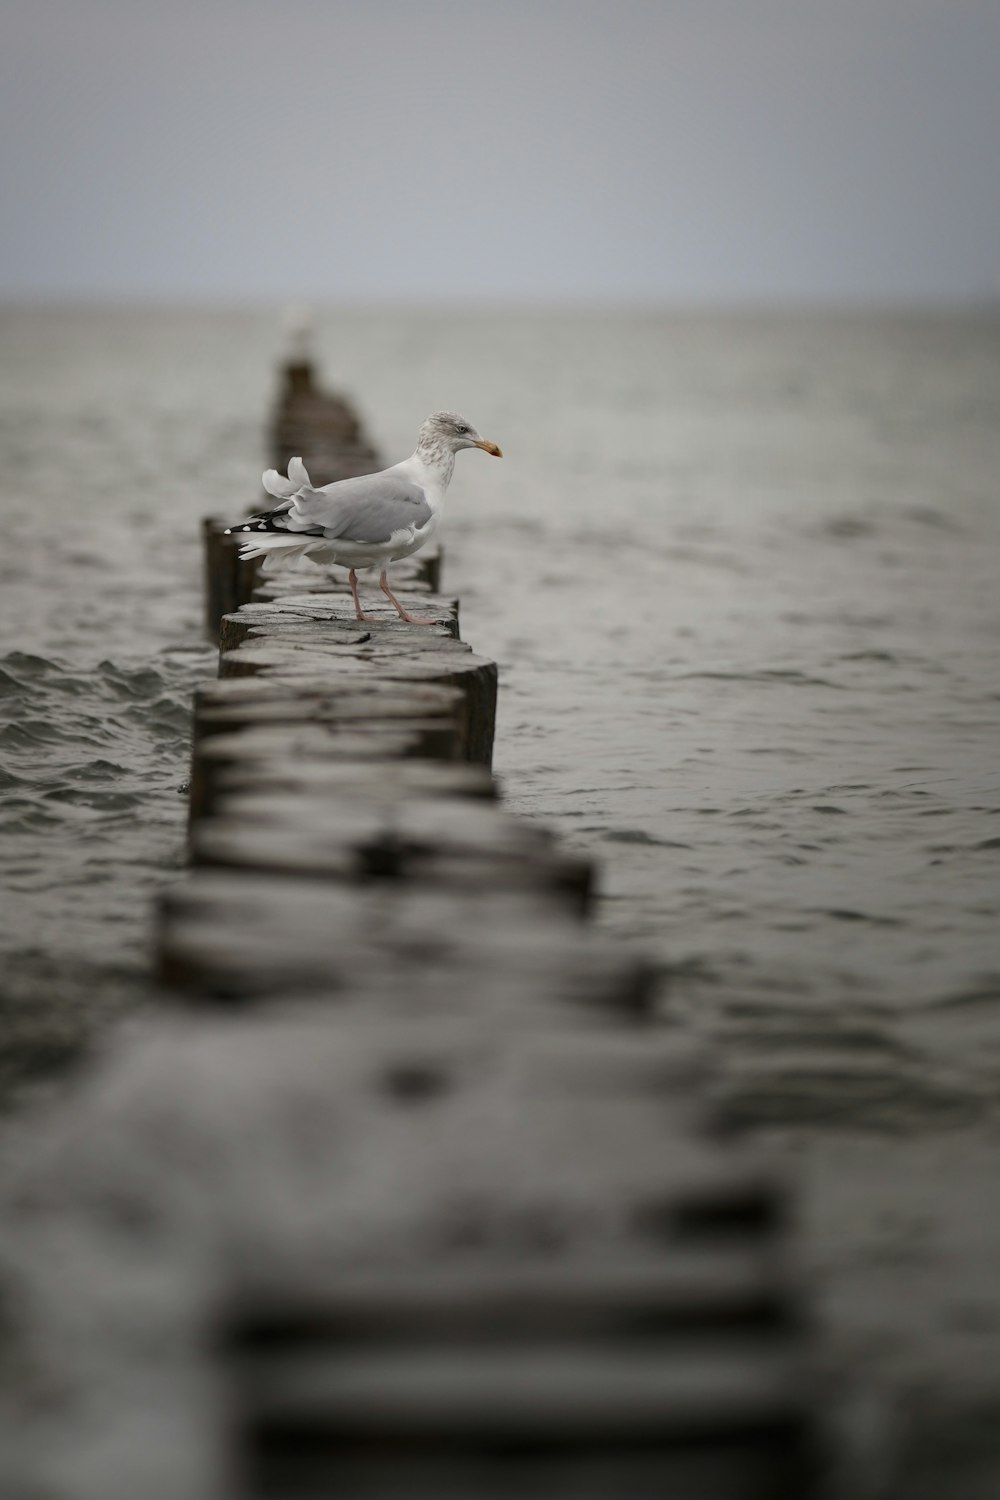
(460, 428)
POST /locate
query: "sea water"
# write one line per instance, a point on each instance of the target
(740, 573)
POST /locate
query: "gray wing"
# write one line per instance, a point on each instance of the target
(367, 509)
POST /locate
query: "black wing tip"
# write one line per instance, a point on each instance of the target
(255, 523)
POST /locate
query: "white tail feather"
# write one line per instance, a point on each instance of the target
(281, 488)
(277, 485)
(276, 549)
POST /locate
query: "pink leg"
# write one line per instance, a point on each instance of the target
(383, 584)
(352, 579)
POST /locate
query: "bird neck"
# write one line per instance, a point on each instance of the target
(437, 460)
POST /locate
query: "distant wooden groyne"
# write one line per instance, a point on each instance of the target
(463, 1220)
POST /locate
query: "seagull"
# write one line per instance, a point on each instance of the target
(372, 519)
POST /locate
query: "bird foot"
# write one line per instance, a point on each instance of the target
(402, 612)
(419, 619)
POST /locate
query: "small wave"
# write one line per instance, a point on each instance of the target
(10, 686)
(640, 836)
(849, 914)
(25, 667)
(847, 527)
(28, 819)
(888, 657)
(785, 676)
(786, 752)
(96, 770)
(824, 1092)
(28, 733)
(985, 992)
(167, 714)
(926, 515)
(135, 682)
(100, 800)
(8, 780)
(46, 681)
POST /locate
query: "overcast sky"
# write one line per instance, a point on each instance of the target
(551, 150)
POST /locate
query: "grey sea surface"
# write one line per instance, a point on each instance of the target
(741, 576)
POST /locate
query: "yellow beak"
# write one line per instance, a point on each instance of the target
(490, 448)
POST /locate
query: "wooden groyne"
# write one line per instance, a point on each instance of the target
(321, 427)
(576, 1277)
(431, 1202)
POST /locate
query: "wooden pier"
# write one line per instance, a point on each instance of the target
(457, 1219)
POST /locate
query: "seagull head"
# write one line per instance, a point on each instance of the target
(447, 430)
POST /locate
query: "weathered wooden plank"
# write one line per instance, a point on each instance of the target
(316, 779)
(253, 623)
(536, 1394)
(307, 617)
(227, 962)
(287, 1467)
(237, 935)
(388, 640)
(432, 736)
(228, 581)
(321, 427)
(392, 833)
(286, 659)
(260, 623)
(382, 621)
(346, 842)
(635, 1298)
(235, 628)
(371, 701)
(392, 657)
(392, 1283)
(415, 819)
(335, 607)
(517, 1330)
(338, 603)
(476, 678)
